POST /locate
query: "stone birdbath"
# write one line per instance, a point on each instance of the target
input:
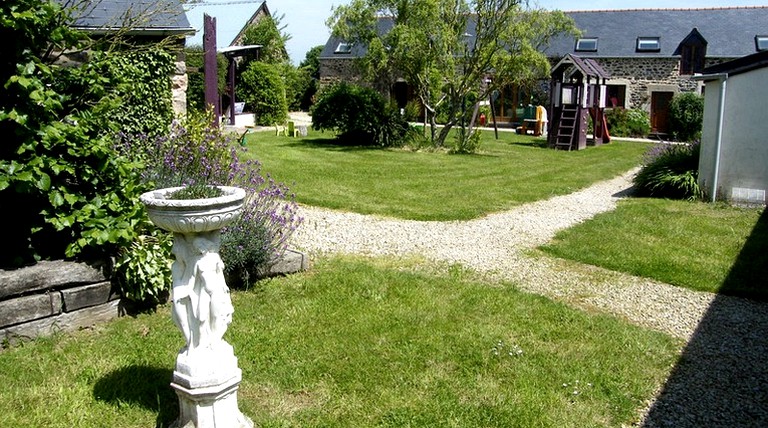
(206, 377)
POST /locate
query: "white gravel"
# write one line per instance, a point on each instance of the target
(722, 380)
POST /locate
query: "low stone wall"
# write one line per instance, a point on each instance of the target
(54, 296)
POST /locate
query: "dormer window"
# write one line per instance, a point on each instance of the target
(648, 44)
(761, 43)
(693, 53)
(344, 48)
(586, 44)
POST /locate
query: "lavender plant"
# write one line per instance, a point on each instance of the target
(197, 154)
(670, 171)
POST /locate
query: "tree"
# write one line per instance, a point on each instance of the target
(67, 191)
(263, 89)
(311, 61)
(269, 33)
(450, 50)
(309, 70)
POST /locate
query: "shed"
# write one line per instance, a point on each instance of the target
(734, 140)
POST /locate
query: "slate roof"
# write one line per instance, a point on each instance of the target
(141, 16)
(383, 25)
(730, 32)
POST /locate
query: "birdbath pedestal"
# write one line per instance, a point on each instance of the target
(206, 377)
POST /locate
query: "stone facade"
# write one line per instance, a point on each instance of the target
(642, 76)
(179, 84)
(338, 70)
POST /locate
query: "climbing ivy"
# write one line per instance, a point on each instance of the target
(145, 94)
(64, 190)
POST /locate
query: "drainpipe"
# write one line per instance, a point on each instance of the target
(723, 78)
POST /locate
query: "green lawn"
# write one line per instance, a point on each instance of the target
(434, 186)
(707, 247)
(358, 343)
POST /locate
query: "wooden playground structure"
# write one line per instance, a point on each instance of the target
(577, 94)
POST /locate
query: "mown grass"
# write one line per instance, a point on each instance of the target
(358, 343)
(705, 247)
(514, 170)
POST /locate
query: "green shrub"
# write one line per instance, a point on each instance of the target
(72, 195)
(143, 268)
(360, 116)
(413, 110)
(686, 115)
(262, 89)
(628, 122)
(670, 171)
(466, 143)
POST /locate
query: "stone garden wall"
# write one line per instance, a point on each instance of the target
(60, 296)
(54, 296)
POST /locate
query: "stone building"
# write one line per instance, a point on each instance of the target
(650, 54)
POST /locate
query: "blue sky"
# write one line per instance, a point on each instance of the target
(305, 19)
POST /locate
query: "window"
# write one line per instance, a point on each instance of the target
(761, 43)
(343, 48)
(648, 44)
(616, 96)
(587, 44)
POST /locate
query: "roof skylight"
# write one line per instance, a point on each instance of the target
(344, 48)
(648, 44)
(586, 44)
(761, 43)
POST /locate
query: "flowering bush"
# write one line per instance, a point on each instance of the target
(670, 171)
(194, 153)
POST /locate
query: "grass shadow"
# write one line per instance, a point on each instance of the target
(332, 144)
(721, 378)
(535, 144)
(747, 275)
(143, 386)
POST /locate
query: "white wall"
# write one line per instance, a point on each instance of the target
(744, 149)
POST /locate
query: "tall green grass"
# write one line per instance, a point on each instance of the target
(358, 343)
(508, 172)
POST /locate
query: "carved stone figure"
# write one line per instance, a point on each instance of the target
(202, 307)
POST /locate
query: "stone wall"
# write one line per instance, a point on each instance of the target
(334, 70)
(54, 296)
(179, 84)
(642, 76)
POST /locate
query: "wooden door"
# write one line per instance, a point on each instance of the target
(660, 112)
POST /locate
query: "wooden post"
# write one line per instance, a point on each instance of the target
(211, 67)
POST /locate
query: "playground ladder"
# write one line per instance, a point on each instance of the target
(566, 127)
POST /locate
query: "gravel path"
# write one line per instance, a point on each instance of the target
(722, 380)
